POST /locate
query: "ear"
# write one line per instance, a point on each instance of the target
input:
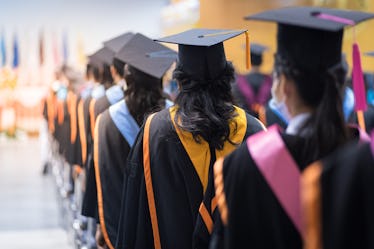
(287, 87)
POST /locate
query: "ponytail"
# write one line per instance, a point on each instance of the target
(321, 90)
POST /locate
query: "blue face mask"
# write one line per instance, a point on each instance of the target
(280, 109)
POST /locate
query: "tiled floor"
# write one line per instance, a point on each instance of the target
(29, 216)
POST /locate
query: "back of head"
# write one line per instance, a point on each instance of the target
(204, 76)
(143, 94)
(118, 67)
(205, 107)
(106, 77)
(309, 54)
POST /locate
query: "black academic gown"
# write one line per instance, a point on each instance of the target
(75, 142)
(255, 217)
(259, 85)
(272, 118)
(345, 194)
(177, 188)
(99, 105)
(62, 129)
(89, 207)
(111, 148)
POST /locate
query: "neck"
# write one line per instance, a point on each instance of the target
(255, 69)
(299, 109)
(117, 80)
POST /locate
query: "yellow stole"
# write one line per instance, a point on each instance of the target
(199, 153)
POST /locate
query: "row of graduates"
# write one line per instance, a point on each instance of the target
(203, 173)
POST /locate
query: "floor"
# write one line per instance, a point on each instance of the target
(29, 215)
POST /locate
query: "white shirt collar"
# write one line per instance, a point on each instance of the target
(296, 123)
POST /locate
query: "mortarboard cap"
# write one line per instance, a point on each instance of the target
(256, 53)
(147, 55)
(201, 52)
(116, 43)
(94, 61)
(257, 48)
(311, 37)
(103, 55)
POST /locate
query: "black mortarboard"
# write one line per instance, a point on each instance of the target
(256, 53)
(371, 53)
(311, 37)
(116, 43)
(201, 52)
(257, 48)
(104, 55)
(147, 55)
(94, 61)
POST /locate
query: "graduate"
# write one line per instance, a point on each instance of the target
(168, 167)
(252, 91)
(115, 92)
(99, 60)
(338, 199)
(117, 127)
(258, 185)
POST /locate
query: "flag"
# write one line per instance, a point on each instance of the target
(56, 51)
(65, 48)
(41, 48)
(80, 51)
(15, 53)
(3, 49)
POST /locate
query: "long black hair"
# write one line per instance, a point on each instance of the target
(143, 95)
(321, 90)
(205, 107)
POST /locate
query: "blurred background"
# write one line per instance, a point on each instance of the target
(39, 36)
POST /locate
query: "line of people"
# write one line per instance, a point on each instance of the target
(139, 169)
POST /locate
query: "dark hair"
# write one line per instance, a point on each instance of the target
(205, 107)
(143, 95)
(322, 90)
(256, 59)
(96, 74)
(118, 66)
(89, 70)
(106, 77)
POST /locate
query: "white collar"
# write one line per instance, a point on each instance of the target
(296, 123)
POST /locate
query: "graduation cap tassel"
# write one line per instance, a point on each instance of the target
(358, 86)
(247, 51)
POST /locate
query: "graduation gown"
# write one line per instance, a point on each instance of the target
(62, 129)
(115, 133)
(252, 91)
(75, 143)
(339, 199)
(95, 107)
(272, 117)
(179, 168)
(252, 215)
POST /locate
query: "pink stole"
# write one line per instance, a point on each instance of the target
(279, 170)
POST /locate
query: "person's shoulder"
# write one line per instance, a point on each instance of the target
(254, 125)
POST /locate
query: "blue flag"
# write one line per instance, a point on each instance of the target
(15, 53)
(3, 49)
